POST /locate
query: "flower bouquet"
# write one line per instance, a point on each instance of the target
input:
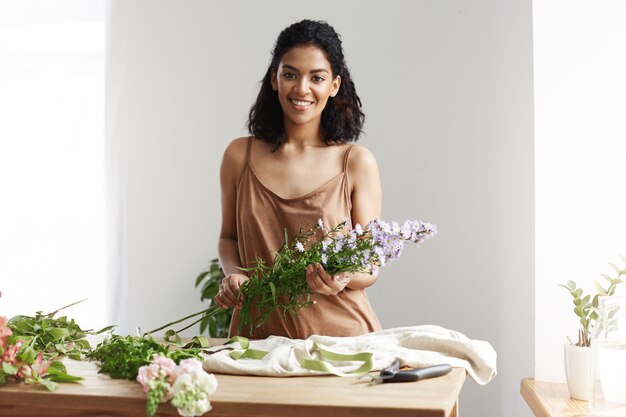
(361, 249)
(187, 386)
(283, 285)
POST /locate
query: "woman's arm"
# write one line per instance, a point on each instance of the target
(366, 197)
(366, 201)
(227, 247)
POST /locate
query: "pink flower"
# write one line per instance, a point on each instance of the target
(167, 365)
(160, 368)
(40, 366)
(186, 366)
(4, 331)
(30, 373)
(10, 353)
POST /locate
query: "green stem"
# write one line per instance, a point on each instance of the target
(207, 311)
(50, 315)
(208, 314)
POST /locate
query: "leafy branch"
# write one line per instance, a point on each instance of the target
(586, 307)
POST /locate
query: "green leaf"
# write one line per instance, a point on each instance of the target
(597, 285)
(28, 354)
(201, 277)
(615, 268)
(594, 303)
(106, 329)
(585, 300)
(58, 333)
(571, 285)
(273, 290)
(9, 369)
(606, 277)
(579, 311)
(50, 386)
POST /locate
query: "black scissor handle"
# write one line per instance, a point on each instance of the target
(418, 374)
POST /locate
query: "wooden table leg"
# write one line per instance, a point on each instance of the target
(455, 409)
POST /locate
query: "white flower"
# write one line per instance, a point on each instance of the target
(320, 224)
(192, 388)
(300, 247)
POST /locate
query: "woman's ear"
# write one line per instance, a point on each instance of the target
(336, 85)
(274, 81)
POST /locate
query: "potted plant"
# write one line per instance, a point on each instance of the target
(215, 325)
(578, 355)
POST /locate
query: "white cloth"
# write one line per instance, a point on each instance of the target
(416, 346)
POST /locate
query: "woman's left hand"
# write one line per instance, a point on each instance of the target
(322, 283)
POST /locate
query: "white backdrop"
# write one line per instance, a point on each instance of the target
(580, 131)
(447, 89)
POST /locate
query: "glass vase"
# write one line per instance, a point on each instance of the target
(608, 358)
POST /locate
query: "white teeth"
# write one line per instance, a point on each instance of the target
(301, 103)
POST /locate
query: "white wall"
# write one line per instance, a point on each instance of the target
(447, 89)
(580, 103)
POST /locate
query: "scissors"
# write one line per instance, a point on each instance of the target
(394, 374)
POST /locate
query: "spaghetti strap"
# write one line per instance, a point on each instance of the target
(345, 158)
(347, 189)
(248, 149)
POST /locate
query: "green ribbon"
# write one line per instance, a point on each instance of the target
(244, 352)
(367, 359)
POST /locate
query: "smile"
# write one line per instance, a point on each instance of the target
(300, 104)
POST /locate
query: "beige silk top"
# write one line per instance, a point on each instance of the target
(262, 217)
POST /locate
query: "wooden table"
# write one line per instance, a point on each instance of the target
(551, 399)
(98, 395)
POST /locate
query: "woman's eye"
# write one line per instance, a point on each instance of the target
(318, 79)
(289, 76)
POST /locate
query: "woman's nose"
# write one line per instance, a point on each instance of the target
(302, 86)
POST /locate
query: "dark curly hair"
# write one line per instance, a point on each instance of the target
(342, 118)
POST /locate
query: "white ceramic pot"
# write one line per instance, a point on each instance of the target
(578, 371)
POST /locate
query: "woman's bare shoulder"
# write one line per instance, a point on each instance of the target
(235, 152)
(234, 158)
(361, 159)
(236, 149)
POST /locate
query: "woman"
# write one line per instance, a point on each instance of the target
(299, 167)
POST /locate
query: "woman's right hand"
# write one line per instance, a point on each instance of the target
(227, 295)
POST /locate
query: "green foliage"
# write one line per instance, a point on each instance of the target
(282, 286)
(122, 356)
(586, 307)
(53, 337)
(216, 325)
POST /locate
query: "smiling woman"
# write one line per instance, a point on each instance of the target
(298, 168)
(304, 92)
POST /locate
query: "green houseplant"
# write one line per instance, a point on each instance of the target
(586, 307)
(578, 355)
(209, 281)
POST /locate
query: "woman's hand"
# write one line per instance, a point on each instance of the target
(322, 283)
(227, 295)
